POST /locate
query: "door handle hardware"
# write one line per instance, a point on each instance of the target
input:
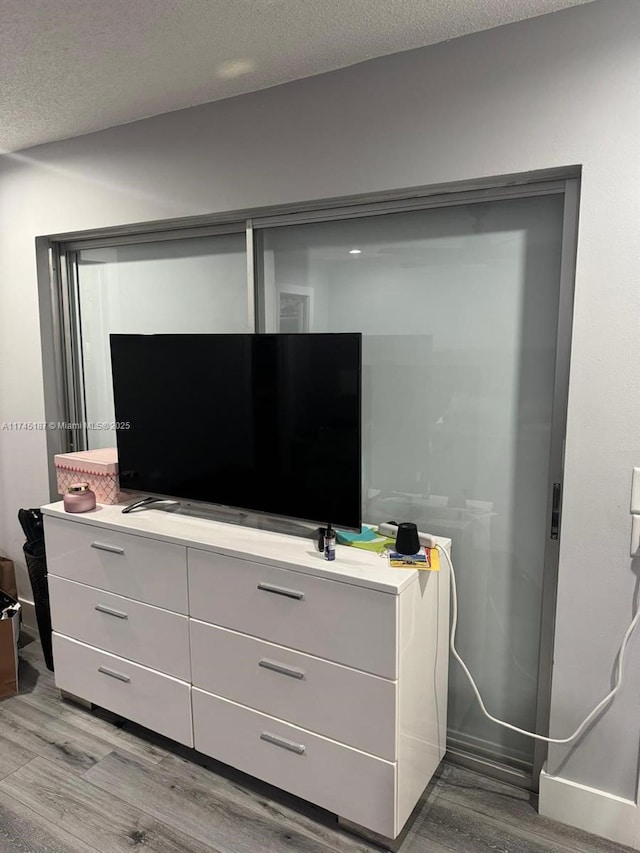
(555, 510)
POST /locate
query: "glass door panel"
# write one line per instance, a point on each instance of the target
(190, 285)
(458, 307)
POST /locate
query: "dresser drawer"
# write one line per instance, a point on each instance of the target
(140, 632)
(344, 704)
(345, 781)
(157, 701)
(336, 621)
(143, 569)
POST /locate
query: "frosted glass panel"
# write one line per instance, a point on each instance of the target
(193, 285)
(458, 308)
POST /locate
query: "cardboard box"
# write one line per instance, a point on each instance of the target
(99, 468)
(8, 577)
(9, 630)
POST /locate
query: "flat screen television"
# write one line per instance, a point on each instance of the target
(268, 423)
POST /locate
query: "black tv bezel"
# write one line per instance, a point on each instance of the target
(217, 507)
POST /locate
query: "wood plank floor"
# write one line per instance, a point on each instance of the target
(72, 780)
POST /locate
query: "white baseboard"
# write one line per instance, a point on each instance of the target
(589, 809)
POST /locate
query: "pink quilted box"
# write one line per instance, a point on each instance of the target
(99, 468)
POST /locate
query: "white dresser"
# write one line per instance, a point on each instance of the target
(325, 679)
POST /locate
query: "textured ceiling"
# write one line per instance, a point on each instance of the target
(69, 67)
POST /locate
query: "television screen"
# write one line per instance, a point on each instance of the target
(268, 423)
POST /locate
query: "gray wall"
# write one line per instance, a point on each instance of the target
(552, 91)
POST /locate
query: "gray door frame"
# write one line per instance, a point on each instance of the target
(556, 467)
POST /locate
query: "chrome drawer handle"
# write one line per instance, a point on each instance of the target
(119, 614)
(291, 671)
(113, 674)
(112, 549)
(283, 742)
(281, 590)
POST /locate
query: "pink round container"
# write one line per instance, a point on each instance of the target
(79, 498)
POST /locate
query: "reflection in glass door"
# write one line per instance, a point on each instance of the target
(190, 285)
(459, 311)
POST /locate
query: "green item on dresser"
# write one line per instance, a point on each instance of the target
(369, 540)
(350, 537)
(378, 545)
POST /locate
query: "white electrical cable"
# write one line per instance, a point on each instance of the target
(474, 686)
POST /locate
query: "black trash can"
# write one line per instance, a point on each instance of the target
(36, 560)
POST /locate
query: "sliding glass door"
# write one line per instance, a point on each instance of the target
(459, 311)
(461, 307)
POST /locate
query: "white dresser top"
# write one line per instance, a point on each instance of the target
(352, 565)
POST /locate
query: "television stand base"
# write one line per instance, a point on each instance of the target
(229, 515)
(244, 518)
(141, 502)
